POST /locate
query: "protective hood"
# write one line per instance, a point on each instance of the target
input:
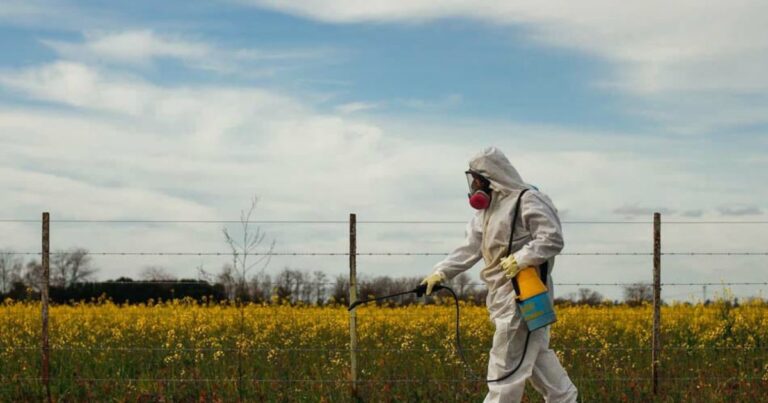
(494, 166)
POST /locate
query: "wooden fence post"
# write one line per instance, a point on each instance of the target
(656, 355)
(44, 287)
(352, 299)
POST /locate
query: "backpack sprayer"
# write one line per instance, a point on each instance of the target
(533, 302)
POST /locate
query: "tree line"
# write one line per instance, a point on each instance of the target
(72, 279)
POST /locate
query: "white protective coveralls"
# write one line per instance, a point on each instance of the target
(538, 238)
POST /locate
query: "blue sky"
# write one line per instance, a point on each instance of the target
(184, 111)
(466, 68)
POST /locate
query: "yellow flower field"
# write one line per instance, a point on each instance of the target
(183, 351)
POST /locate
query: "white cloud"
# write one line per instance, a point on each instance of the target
(78, 85)
(692, 67)
(676, 54)
(141, 48)
(134, 47)
(205, 117)
(661, 42)
(98, 202)
(353, 107)
(739, 210)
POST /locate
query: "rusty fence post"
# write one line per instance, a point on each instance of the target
(352, 299)
(44, 287)
(656, 355)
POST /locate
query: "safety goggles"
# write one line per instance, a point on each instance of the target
(475, 181)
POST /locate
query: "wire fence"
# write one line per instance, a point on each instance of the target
(742, 357)
(296, 253)
(346, 222)
(609, 284)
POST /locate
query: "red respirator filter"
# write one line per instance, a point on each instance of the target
(480, 200)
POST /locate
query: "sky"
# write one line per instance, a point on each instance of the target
(186, 110)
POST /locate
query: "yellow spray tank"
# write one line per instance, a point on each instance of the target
(532, 297)
(533, 300)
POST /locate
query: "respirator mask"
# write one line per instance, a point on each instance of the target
(479, 190)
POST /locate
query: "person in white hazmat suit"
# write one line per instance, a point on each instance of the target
(538, 238)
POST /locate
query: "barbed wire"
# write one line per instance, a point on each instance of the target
(296, 253)
(143, 221)
(714, 253)
(363, 282)
(197, 221)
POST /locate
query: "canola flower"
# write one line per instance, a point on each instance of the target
(212, 351)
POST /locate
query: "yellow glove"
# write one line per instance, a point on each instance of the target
(432, 280)
(509, 264)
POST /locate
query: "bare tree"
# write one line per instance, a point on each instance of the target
(70, 267)
(589, 297)
(462, 281)
(287, 284)
(306, 288)
(10, 270)
(227, 278)
(156, 273)
(341, 290)
(295, 285)
(33, 275)
(252, 240)
(319, 280)
(638, 293)
(266, 287)
(261, 287)
(376, 287)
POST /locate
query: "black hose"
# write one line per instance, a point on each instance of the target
(421, 290)
(365, 301)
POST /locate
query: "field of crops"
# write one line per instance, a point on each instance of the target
(183, 351)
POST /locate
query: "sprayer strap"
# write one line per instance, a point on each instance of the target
(514, 221)
(544, 267)
(512, 236)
